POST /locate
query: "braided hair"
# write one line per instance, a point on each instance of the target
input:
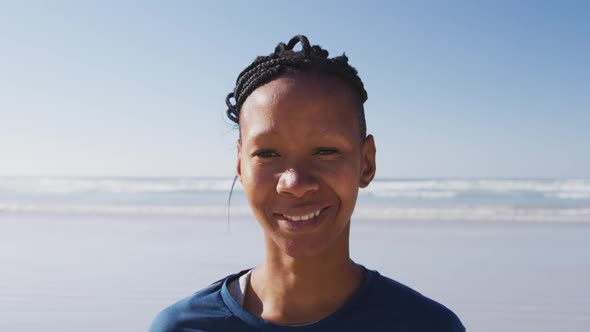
(283, 60)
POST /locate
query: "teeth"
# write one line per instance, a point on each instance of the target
(303, 218)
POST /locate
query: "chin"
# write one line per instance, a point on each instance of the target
(313, 246)
(299, 250)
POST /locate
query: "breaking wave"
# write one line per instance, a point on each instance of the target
(421, 199)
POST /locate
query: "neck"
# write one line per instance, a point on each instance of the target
(296, 290)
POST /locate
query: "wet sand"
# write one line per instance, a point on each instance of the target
(92, 273)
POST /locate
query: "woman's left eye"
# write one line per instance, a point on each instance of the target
(326, 151)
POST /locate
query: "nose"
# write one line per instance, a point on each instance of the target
(296, 182)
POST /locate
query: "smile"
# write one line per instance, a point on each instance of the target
(304, 217)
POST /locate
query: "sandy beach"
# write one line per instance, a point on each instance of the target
(93, 273)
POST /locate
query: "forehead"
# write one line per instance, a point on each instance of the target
(301, 104)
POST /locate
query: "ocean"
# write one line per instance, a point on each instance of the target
(511, 200)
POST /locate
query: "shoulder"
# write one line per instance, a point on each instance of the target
(406, 305)
(197, 311)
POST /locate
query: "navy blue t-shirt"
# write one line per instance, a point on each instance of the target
(380, 304)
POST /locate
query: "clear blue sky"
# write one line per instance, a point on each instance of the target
(137, 88)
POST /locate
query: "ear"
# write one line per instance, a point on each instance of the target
(239, 161)
(368, 166)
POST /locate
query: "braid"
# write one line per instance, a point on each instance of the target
(311, 58)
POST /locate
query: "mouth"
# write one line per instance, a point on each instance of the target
(300, 222)
(305, 217)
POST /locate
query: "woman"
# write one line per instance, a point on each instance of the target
(303, 154)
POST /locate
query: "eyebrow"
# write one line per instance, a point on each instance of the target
(262, 134)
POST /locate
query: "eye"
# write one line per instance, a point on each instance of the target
(326, 151)
(265, 154)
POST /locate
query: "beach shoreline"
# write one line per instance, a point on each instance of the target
(105, 272)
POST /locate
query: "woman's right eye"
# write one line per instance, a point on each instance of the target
(265, 154)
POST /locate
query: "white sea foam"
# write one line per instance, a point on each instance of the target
(113, 185)
(465, 213)
(569, 195)
(560, 188)
(428, 188)
(123, 210)
(477, 213)
(413, 194)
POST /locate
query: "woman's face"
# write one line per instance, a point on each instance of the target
(301, 161)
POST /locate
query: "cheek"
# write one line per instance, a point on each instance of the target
(258, 182)
(343, 177)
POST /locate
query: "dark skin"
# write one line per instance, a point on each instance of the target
(301, 157)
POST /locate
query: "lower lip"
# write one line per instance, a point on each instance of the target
(302, 224)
